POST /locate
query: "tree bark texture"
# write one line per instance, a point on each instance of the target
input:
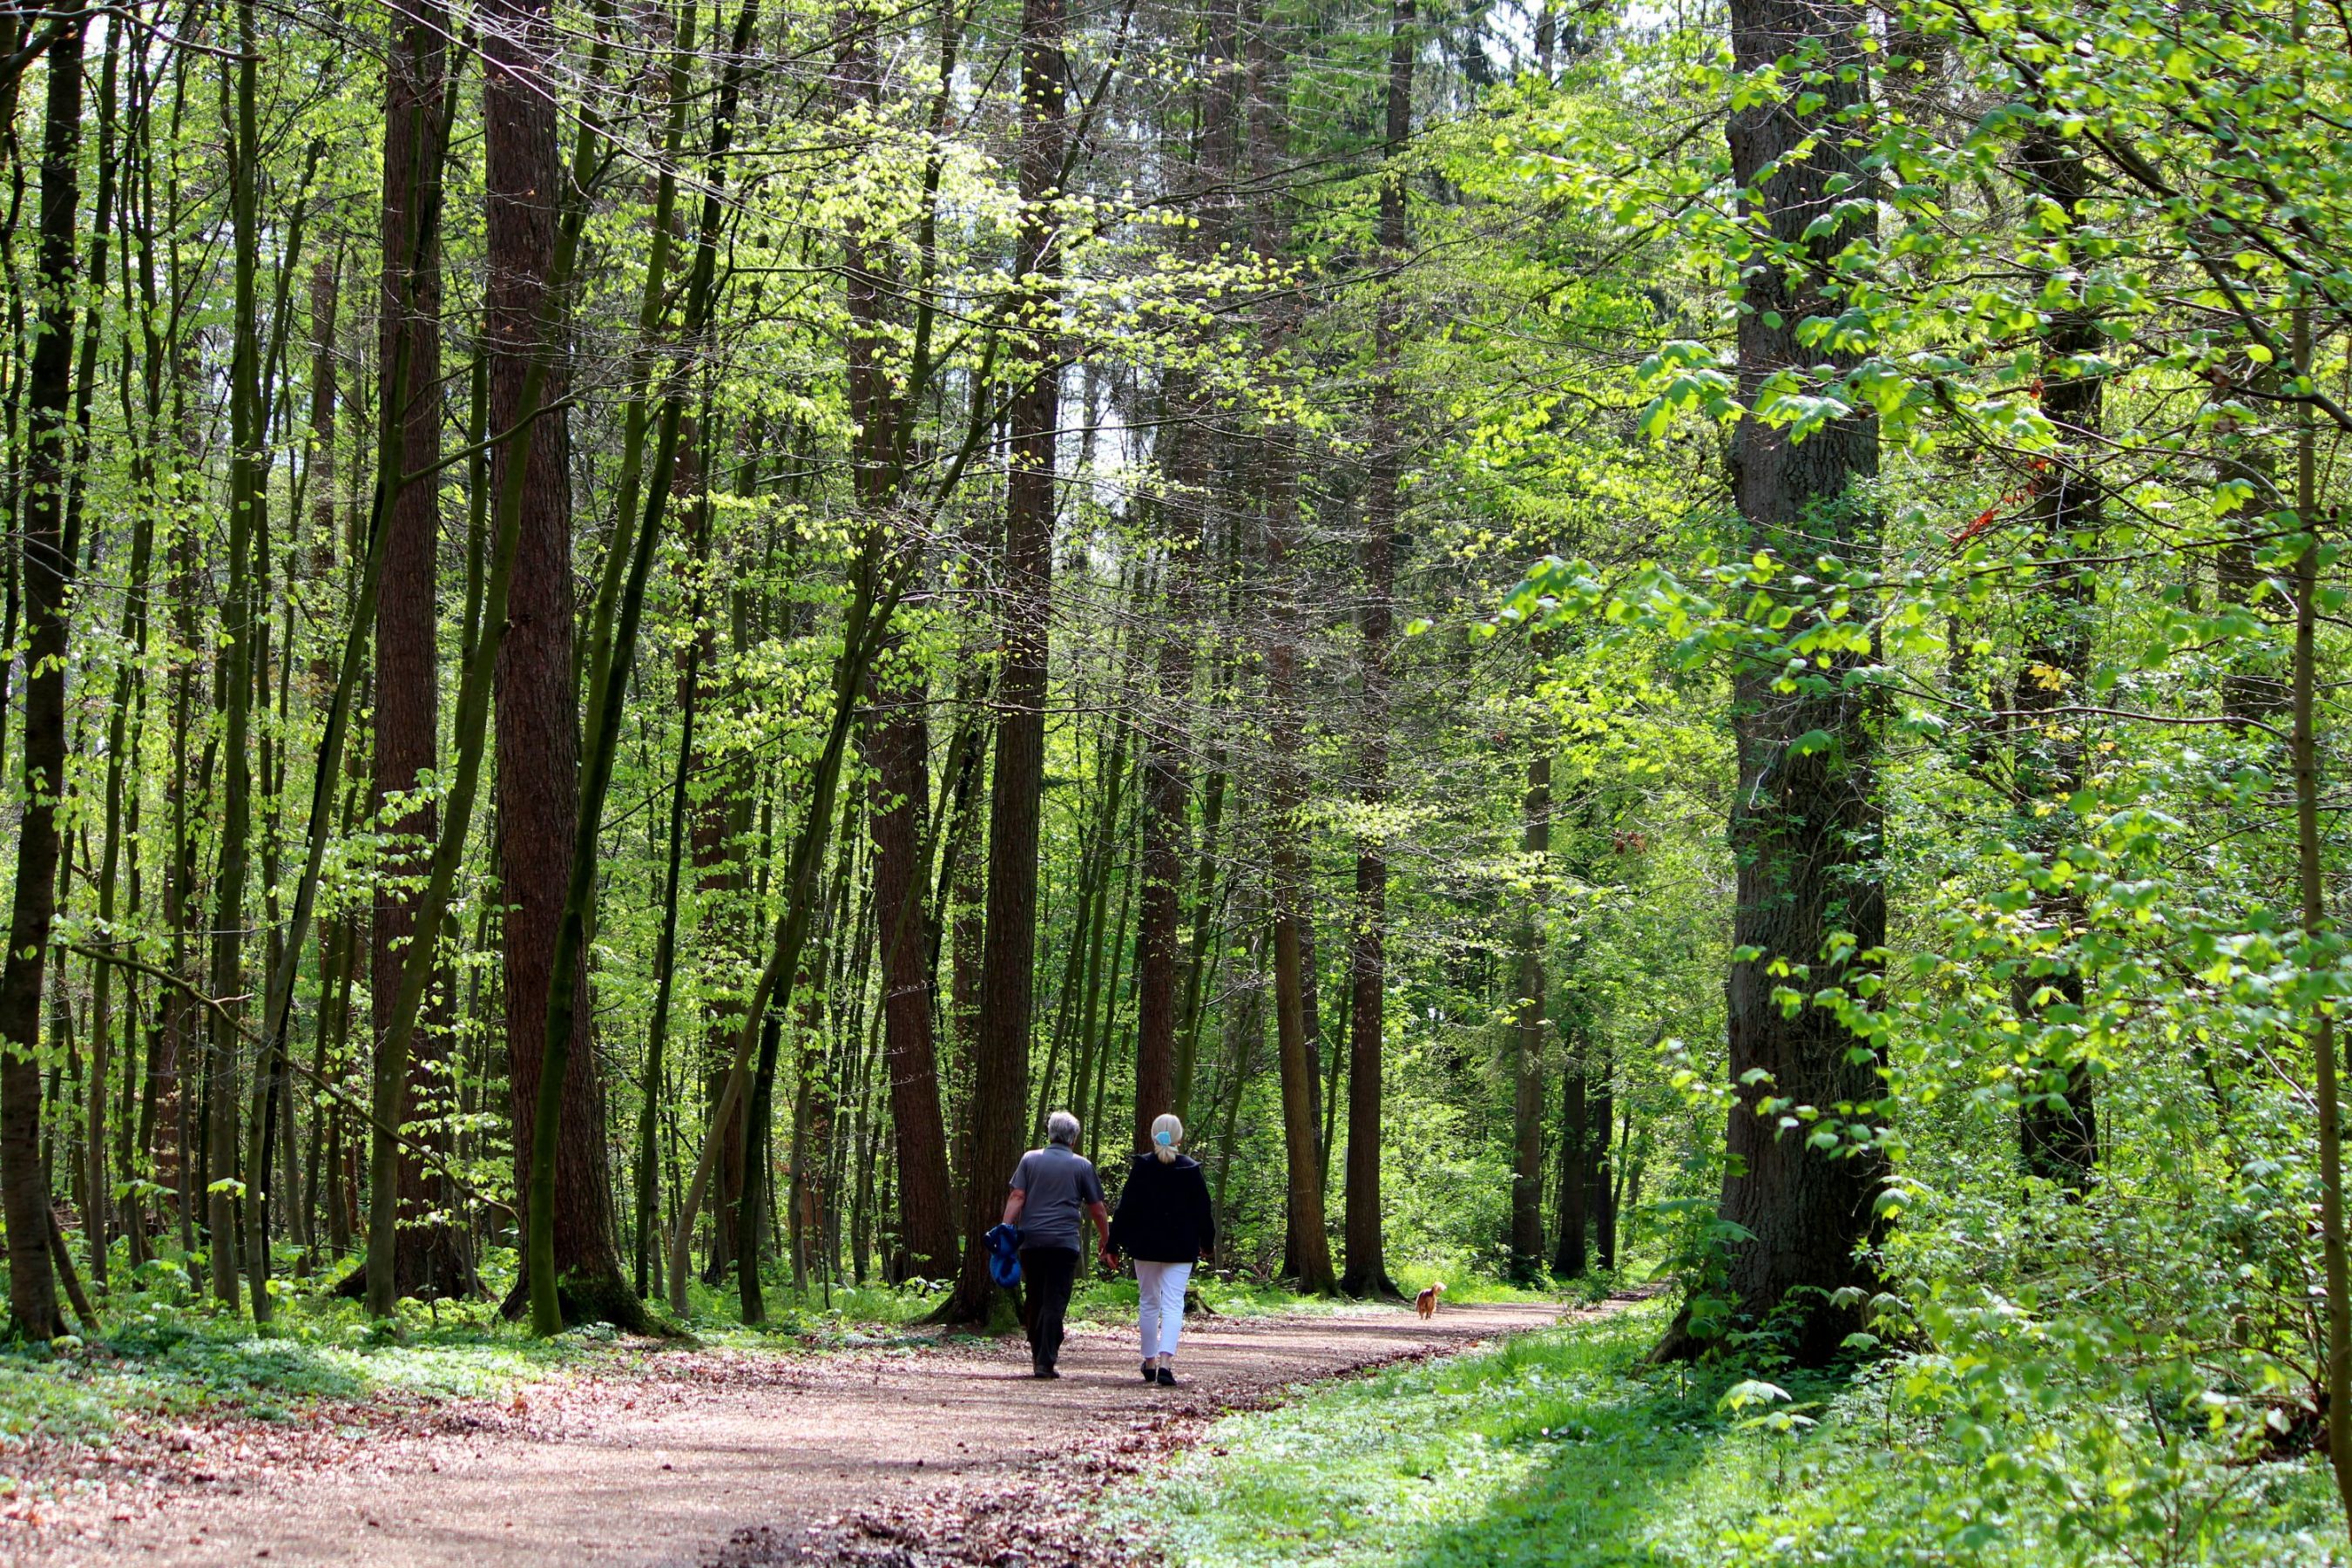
(1804, 820)
(45, 567)
(899, 742)
(431, 1259)
(538, 732)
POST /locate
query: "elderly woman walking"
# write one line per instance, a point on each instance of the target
(1164, 1221)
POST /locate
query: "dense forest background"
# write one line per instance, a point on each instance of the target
(1687, 642)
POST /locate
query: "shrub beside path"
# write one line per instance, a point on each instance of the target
(906, 1457)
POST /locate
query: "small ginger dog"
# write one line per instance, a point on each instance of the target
(1426, 1302)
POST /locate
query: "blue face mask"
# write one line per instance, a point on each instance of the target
(1165, 1140)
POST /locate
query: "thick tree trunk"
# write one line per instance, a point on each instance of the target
(538, 728)
(1000, 1067)
(431, 1259)
(720, 881)
(1805, 819)
(898, 744)
(897, 748)
(1307, 1248)
(45, 567)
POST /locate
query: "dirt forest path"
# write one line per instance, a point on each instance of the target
(939, 1454)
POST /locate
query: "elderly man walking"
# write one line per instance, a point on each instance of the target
(1052, 1191)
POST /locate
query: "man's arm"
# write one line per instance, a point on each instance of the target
(1101, 1216)
(1014, 1202)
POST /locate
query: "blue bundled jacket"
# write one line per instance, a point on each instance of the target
(1005, 1256)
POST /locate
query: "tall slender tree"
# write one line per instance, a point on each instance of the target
(1366, 1259)
(1528, 1027)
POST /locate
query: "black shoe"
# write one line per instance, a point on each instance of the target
(1167, 1378)
(1150, 1373)
(1043, 1369)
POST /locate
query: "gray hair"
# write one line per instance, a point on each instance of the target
(1167, 1132)
(1062, 1128)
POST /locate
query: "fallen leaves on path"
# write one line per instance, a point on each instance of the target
(1036, 1518)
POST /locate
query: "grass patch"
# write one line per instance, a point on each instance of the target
(167, 1361)
(1560, 1448)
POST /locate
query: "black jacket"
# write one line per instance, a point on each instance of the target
(1163, 1211)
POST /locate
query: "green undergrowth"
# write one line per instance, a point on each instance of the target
(159, 1359)
(818, 1316)
(1099, 1299)
(1561, 1447)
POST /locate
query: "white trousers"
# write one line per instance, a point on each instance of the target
(1161, 1287)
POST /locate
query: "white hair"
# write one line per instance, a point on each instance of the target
(1164, 1148)
(1062, 1128)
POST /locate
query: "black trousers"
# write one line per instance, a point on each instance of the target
(1047, 1274)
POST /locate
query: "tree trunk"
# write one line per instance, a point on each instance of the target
(1568, 1252)
(243, 622)
(538, 732)
(46, 565)
(2057, 1127)
(1805, 819)
(1307, 1248)
(430, 1257)
(897, 746)
(1600, 1186)
(1527, 1103)
(1000, 1067)
(98, 1209)
(2311, 880)
(649, 1219)
(1366, 1261)
(898, 742)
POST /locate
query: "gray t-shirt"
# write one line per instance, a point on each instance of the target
(1060, 1183)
